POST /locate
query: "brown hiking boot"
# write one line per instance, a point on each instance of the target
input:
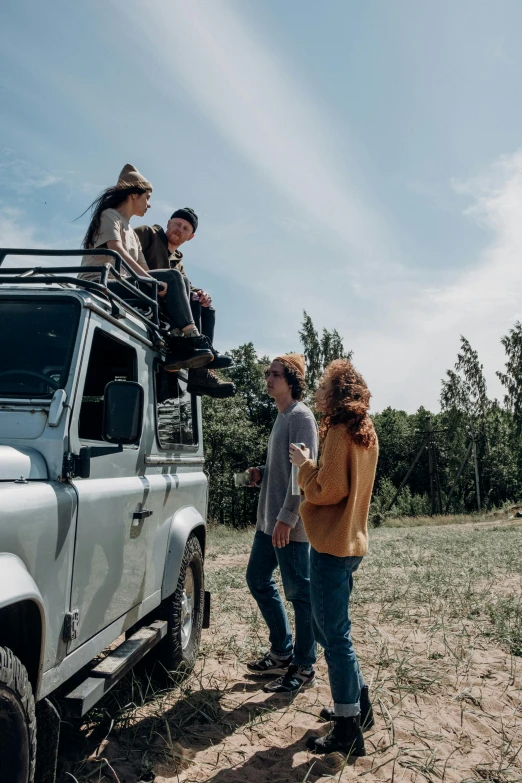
(205, 381)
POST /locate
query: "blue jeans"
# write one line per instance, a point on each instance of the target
(294, 563)
(331, 585)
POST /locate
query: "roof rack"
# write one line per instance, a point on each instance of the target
(59, 274)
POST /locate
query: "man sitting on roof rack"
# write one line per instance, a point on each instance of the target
(110, 228)
(161, 250)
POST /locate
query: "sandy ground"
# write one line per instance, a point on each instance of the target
(447, 701)
(434, 725)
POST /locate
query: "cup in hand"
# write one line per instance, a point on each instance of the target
(243, 479)
(295, 470)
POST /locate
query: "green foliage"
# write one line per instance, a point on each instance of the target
(512, 378)
(506, 618)
(467, 411)
(236, 433)
(236, 430)
(319, 351)
(312, 350)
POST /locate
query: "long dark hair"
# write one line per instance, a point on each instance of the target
(111, 198)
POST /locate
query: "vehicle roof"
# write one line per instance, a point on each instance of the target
(129, 322)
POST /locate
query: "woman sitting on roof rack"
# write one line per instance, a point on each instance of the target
(110, 228)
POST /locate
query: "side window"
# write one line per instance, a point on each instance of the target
(110, 360)
(175, 411)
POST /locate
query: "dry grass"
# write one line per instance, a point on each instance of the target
(437, 618)
(507, 513)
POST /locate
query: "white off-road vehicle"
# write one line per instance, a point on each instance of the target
(102, 500)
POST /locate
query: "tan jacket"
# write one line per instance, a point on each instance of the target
(155, 246)
(338, 494)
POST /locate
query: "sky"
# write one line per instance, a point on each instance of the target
(361, 162)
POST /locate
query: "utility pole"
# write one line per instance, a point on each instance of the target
(408, 474)
(430, 462)
(428, 442)
(471, 449)
(475, 460)
(437, 476)
(459, 474)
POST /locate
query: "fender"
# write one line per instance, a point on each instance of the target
(17, 585)
(184, 521)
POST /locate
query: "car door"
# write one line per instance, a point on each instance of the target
(174, 463)
(111, 543)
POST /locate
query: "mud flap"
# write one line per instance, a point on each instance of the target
(47, 738)
(206, 610)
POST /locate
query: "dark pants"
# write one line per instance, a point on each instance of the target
(176, 303)
(204, 318)
(294, 564)
(331, 584)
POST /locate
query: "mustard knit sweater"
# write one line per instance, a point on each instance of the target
(337, 495)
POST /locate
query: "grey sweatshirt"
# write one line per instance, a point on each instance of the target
(294, 425)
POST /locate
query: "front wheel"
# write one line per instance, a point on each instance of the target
(185, 612)
(17, 721)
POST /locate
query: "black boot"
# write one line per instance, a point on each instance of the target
(187, 352)
(345, 737)
(367, 719)
(220, 361)
(206, 381)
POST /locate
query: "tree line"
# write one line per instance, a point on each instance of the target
(469, 423)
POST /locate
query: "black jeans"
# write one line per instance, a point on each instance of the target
(204, 318)
(176, 303)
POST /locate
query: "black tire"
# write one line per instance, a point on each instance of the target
(17, 721)
(180, 648)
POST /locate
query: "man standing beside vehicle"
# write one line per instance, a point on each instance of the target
(280, 539)
(161, 250)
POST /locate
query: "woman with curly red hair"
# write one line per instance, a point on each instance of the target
(337, 495)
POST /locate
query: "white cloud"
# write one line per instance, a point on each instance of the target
(13, 231)
(246, 89)
(21, 176)
(404, 334)
(18, 231)
(407, 361)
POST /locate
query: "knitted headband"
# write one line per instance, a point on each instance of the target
(186, 214)
(131, 177)
(294, 362)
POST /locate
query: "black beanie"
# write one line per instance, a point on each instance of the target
(187, 214)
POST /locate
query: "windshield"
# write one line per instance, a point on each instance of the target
(36, 343)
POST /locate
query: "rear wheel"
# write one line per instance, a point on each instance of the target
(17, 721)
(185, 612)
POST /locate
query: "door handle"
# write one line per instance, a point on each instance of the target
(143, 514)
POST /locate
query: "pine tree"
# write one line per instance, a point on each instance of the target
(312, 351)
(512, 378)
(319, 351)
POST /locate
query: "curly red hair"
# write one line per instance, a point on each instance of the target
(348, 403)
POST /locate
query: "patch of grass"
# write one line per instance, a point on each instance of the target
(225, 540)
(506, 616)
(429, 601)
(438, 520)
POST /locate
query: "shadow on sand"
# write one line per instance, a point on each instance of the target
(164, 742)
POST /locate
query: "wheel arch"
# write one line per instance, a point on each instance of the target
(186, 521)
(22, 617)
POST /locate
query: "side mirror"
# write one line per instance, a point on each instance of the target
(122, 412)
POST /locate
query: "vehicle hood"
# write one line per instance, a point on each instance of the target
(16, 463)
